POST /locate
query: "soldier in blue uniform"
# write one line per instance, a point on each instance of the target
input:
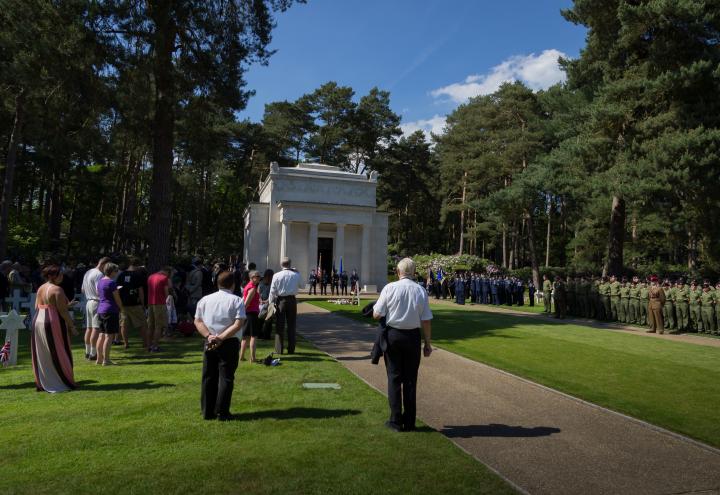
(494, 291)
(520, 292)
(459, 289)
(312, 280)
(531, 292)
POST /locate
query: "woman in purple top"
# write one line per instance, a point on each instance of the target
(109, 312)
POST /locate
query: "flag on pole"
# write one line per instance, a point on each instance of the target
(440, 275)
(341, 267)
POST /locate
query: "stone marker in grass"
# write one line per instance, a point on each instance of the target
(334, 386)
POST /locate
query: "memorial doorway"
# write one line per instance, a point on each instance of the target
(325, 254)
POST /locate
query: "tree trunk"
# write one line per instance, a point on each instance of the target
(462, 213)
(547, 239)
(56, 208)
(504, 246)
(616, 237)
(163, 138)
(531, 248)
(7, 192)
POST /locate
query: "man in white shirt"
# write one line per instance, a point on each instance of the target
(92, 320)
(219, 317)
(283, 289)
(404, 304)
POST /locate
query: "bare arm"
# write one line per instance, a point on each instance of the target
(118, 301)
(250, 295)
(61, 304)
(427, 331)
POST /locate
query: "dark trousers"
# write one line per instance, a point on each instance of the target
(343, 289)
(402, 361)
(267, 324)
(323, 289)
(313, 288)
(218, 377)
(286, 314)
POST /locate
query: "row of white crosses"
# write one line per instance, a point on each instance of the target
(13, 321)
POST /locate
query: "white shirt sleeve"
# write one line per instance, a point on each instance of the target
(240, 310)
(380, 306)
(426, 313)
(273, 289)
(200, 309)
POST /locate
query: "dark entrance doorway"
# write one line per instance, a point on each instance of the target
(325, 253)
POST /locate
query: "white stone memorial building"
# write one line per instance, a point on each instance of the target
(318, 215)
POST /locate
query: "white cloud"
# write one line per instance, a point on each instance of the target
(536, 71)
(436, 125)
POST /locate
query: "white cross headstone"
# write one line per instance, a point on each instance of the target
(11, 323)
(16, 300)
(29, 305)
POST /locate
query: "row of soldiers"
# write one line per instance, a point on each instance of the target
(478, 288)
(687, 308)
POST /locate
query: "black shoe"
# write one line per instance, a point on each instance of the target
(87, 355)
(393, 426)
(92, 358)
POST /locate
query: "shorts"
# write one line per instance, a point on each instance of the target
(157, 318)
(133, 317)
(91, 314)
(109, 323)
(251, 327)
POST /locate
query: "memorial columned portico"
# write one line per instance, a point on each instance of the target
(319, 216)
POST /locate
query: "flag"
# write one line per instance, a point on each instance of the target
(341, 267)
(440, 275)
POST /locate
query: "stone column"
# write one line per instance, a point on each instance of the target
(340, 244)
(312, 247)
(283, 239)
(365, 256)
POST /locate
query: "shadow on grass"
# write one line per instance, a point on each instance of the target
(497, 430)
(163, 361)
(295, 413)
(94, 386)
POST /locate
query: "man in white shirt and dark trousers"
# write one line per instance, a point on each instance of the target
(219, 317)
(404, 304)
(283, 289)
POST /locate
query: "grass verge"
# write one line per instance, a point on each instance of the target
(136, 428)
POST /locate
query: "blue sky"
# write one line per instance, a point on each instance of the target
(430, 54)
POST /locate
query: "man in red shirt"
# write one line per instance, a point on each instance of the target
(158, 291)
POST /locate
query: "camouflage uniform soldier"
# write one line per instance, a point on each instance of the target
(634, 295)
(682, 305)
(604, 289)
(560, 297)
(547, 294)
(644, 301)
(614, 299)
(668, 308)
(624, 301)
(707, 299)
(655, 307)
(694, 305)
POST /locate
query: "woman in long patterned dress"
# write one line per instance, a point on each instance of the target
(50, 336)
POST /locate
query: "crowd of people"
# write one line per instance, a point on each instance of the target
(684, 306)
(478, 288)
(124, 299)
(337, 280)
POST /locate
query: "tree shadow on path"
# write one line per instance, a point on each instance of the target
(497, 430)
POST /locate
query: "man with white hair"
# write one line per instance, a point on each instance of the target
(404, 304)
(283, 289)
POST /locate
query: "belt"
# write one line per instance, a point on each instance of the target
(389, 327)
(287, 297)
(91, 299)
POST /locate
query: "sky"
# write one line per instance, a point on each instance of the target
(431, 55)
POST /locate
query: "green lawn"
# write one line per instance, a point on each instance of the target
(671, 384)
(136, 428)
